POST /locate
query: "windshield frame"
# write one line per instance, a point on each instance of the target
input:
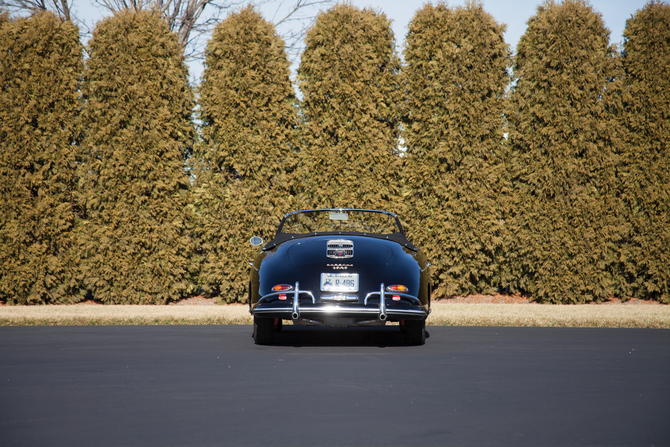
(398, 236)
(341, 210)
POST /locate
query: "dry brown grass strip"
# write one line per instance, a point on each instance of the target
(550, 315)
(544, 315)
(122, 314)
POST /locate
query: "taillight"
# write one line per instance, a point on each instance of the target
(282, 287)
(397, 288)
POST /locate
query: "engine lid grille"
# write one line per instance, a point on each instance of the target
(340, 249)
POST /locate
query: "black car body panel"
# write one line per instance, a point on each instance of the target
(314, 275)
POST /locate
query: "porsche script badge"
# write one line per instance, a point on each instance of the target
(340, 266)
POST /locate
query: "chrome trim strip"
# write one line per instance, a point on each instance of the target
(342, 310)
(273, 310)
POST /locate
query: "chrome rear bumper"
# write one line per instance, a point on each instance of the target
(338, 310)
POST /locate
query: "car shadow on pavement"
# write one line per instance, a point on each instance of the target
(299, 336)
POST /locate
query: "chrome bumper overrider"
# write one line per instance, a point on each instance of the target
(296, 299)
(381, 296)
(333, 307)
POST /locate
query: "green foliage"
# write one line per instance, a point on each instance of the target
(645, 178)
(134, 243)
(563, 136)
(40, 70)
(574, 206)
(349, 76)
(456, 71)
(249, 116)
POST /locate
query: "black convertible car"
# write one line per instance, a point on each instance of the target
(339, 267)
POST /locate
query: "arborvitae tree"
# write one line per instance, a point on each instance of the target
(138, 133)
(249, 115)
(40, 71)
(645, 178)
(456, 69)
(349, 76)
(562, 135)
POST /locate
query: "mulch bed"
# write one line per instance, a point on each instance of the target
(190, 301)
(470, 299)
(520, 299)
(195, 301)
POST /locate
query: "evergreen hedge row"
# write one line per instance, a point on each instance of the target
(645, 155)
(40, 71)
(456, 71)
(247, 154)
(564, 222)
(559, 188)
(349, 76)
(134, 240)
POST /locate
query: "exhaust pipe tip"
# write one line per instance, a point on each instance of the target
(382, 317)
(295, 315)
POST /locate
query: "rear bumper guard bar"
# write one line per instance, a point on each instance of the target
(296, 299)
(380, 296)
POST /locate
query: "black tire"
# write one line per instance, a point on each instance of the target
(415, 332)
(264, 331)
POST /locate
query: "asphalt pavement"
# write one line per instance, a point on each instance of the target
(212, 386)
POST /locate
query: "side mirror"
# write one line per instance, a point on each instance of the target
(255, 241)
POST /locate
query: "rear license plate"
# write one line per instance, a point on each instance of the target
(339, 282)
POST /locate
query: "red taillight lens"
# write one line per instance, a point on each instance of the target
(397, 288)
(281, 287)
(396, 297)
(282, 296)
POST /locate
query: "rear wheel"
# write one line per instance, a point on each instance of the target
(264, 331)
(415, 332)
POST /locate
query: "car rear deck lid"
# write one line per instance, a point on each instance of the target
(314, 250)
